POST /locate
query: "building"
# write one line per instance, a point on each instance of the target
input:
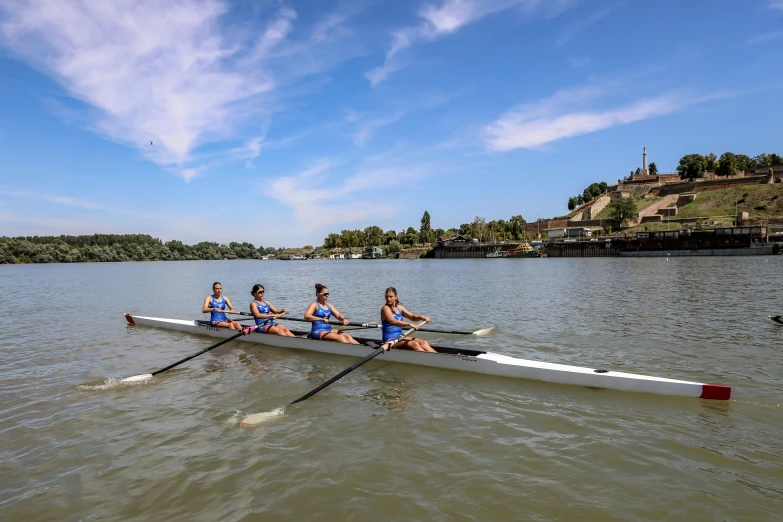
(372, 252)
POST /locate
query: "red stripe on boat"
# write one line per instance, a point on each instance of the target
(129, 318)
(715, 392)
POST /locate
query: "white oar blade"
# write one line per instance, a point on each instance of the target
(258, 418)
(138, 378)
(484, 331)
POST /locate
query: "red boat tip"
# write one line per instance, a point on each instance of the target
(129, 318)
(715, 392)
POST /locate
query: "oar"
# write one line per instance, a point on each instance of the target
(257, 418)
(482, 331)
(147, 376)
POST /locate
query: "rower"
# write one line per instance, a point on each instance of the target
(319, 313)
(392, 323)
(216, 305)
(264, 310)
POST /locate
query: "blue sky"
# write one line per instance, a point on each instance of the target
(278, 122)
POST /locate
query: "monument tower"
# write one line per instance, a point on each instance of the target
(645, 171)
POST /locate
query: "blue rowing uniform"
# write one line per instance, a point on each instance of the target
(218, 317)
(263, 308)
(320, 328)
(389, 330)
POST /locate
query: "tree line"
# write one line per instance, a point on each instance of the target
(694, 166)
(119, 247)
(392, 240)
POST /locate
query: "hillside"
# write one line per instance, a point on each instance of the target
(760, 201)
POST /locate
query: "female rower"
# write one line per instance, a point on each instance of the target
(319, 313)
(263, 310)
(392, 323)
(216, 304)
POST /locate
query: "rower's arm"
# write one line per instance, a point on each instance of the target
(309, 314)
(205, 309)
(413, 317)
(230, 306)
(336, 313)
(388, 316)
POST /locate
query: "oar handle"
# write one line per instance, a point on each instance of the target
(242, 332)
(348, 370)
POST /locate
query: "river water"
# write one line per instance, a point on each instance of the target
(392, 441)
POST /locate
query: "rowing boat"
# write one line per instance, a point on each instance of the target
(777, 318)
(463, 359)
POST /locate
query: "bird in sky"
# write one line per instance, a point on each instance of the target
(151, 143)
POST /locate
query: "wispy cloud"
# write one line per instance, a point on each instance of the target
(764, 37)
(777, 4)
(580, 61)
(317, 201)
(448, 18)
(62, 200)
(166, 72)
(567, 114)
(367, 129)
(574, 29)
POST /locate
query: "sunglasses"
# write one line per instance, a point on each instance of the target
(326, 294)
(259, 291)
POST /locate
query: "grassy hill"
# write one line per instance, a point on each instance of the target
(760, 201)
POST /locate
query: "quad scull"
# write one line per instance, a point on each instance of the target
(465, 360)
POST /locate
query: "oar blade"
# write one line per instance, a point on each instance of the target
(258, 418)
(138, 378)
(484, 331)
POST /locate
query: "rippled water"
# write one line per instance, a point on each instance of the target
(394, 442)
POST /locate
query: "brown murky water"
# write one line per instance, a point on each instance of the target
(394, 442)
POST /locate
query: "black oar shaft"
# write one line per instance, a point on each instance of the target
(339, 376)
(351, 368)
(242, 332)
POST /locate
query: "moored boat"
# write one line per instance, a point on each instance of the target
(498, 253)
(465, 360)
(524, 250)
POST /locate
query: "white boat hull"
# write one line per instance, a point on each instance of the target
(466, 360)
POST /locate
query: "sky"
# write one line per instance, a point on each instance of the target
(279, 122)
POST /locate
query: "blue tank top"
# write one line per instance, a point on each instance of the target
(217, 317)
(319, 327)
(389, 330)
(263, 308)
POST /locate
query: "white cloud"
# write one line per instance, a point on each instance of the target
(318, 201)
(448, 18)
(62, 200)
(533, 125)
(167, 72)
(777, 4)
(574, 29)
(366, 130)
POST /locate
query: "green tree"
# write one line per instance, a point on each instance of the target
(571, 203)
(393, 248)
(517, 227)
(743, 162)
(373, 235)
(762, 160)
(692, 166)
(622, 209)
(653, 168)
(411, 236)
(712, 161)
(727, 164)
(479, 227)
